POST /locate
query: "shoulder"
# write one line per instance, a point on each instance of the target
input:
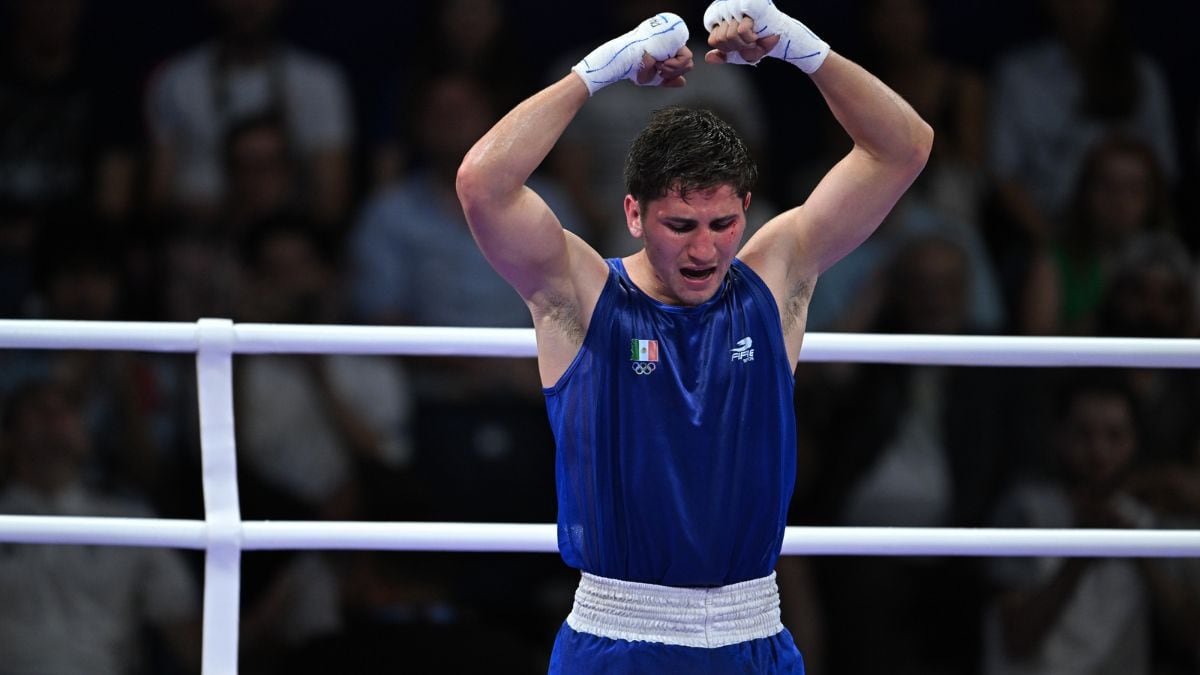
(774, 254)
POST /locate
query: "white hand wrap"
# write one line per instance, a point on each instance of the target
(661, 36)
(798, 45)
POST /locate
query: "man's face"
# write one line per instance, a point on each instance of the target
(1099, 440)
(689, 243)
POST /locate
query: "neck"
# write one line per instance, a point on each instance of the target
(642, 274)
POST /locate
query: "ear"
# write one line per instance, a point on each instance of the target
(633, 217)
(746, 202)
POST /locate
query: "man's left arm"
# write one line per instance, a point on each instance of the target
(891, 145)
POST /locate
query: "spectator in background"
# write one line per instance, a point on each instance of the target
(66, 140)
(483, 448)
(947, 94)
(310, 429)
(308, 421)
(82, 609)
(1151, 295)
(412, 258)
(1151, 292)
(203, 275)
(1053, 99)
(19, 228)
(847, 298)
(1121, 193)
(590, 158)
(1080, 615)
(906, 446)
(123, 400)
(485, 49)
(247, 70)
(262, 173)
(1171, 487)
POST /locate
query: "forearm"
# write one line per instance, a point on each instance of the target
(876, 118)
(503, 160)
(880, 122)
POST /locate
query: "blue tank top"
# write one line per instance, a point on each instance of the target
(676, 437)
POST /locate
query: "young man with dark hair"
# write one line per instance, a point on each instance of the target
(668, 374)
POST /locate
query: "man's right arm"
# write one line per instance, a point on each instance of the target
(517, 232)
(558, 275)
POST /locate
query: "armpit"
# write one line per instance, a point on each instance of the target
(795, 306)
(562, 313)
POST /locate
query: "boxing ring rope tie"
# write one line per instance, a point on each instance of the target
(223, 535)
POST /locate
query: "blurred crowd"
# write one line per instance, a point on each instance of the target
(293, 161)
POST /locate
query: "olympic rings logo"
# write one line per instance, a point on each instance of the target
(644, 367)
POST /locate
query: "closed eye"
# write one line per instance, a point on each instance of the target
(680, 225)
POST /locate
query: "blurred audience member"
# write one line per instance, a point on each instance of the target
(412, 257)
(247, 70)
(948, 95)
(1151, 292)
(402, 615)
(1151, 295)
(261, 168)
(486, 48)
(82, 609)
(1080, 615)
(1171, 487)
(307, 420)
(1121, 193)
(483, 448)
(202, 271)
(1053, 100)
(309, 428)
(125, 403)
(848, 296)
(67, 133)
(912, 447)
(19, 228)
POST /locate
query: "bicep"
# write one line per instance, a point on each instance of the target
(846, 207)
(523, 241)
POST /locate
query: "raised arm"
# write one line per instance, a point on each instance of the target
(557, 274)
(891, 146)
(514, 227)
(516, 230)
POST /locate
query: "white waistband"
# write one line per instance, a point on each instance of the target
(690, 617)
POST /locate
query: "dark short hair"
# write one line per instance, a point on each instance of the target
(1075, 384)
(686, 149)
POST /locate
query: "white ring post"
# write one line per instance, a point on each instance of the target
(222, 513)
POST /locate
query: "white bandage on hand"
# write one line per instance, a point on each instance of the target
(661, 37)
(798, 45)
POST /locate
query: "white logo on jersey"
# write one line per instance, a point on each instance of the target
(743, 352)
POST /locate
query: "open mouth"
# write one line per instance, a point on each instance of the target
(698, 274)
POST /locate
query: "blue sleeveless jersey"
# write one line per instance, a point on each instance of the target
(676, 437)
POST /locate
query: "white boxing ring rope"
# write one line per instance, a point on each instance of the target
(223, 535)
